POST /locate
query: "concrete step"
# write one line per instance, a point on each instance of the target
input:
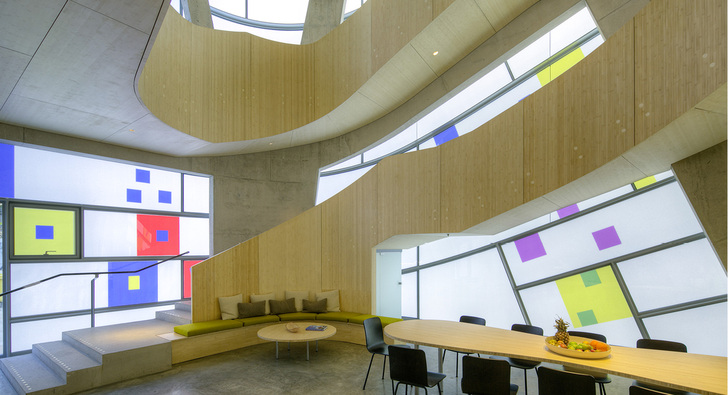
(184, 305)
(78, 369)
(29, 375)
(175, 316)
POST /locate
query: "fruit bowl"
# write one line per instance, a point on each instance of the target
(578, 353)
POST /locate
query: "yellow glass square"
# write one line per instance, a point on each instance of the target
(134, 283)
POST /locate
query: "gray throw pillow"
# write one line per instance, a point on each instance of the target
(318, 306)
(254, 309)
(282, 306)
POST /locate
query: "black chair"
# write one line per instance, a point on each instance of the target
(665, 345)
(559, 382)
(601, 379)
(408, 366)
(470, 320)
(374, 336)
(522, 363)
(637, 390)
(485, 376)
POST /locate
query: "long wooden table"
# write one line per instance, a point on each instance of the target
(703, 374)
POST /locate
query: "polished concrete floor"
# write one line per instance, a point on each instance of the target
(337, 368)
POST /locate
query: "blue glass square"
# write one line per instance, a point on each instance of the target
(446, 135)
(44, 232)
(165, 197)
(162, 235)
(142, 176)
(133, 195)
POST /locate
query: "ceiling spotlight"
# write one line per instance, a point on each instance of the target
(435, 53)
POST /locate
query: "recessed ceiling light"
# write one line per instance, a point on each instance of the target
(131, 130)
(435, 53)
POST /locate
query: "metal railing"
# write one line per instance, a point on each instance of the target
(93, 282)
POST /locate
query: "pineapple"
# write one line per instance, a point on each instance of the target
(561, 334)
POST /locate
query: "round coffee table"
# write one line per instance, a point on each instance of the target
(279, 333)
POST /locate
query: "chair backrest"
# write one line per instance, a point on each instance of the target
(373, 332)
(589, 335)
(636, 390)
(559, 382)
(534, 330)
(408, 365)
(662, 345)
(485, 376)
(472, 320)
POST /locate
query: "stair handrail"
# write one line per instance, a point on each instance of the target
(96, 274)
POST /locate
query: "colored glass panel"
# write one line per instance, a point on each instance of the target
(589, 302)
(560, 66)
(530, 247)
(143, 176)
(7, 171)
(150, 227)
(187, 278)
(568, 210)
(606, 238)
(132, 288)
(645, 182)
(165, 197)
(41, 231)
(133, 196)
(446, 135)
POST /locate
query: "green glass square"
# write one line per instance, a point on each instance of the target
(591, 278)
(587, 318)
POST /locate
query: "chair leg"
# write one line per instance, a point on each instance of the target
(367, 376)
(396, 388)
(602, 389)
(439, 388)
(384, 365)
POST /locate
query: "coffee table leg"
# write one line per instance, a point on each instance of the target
(276, 349)
(316, 345)
(307, 356)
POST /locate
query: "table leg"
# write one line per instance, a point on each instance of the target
(307, 356)
(276, 350)
(316, 345)
(439, 360)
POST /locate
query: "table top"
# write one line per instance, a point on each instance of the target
(279, 332)
(703, 374)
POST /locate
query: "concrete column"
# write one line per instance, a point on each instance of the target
(198, 12)
(322, 17)
(703, 178)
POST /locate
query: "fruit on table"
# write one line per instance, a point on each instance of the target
(586, 346)
(561, 333)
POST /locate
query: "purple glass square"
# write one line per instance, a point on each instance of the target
(606, 238)
(568, 210)
(530, 247)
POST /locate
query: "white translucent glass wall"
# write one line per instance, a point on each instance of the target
(283, 36)
(331, 185)
(403, 138)
(196, 194)
(476, 285)
(409, 258)
(703, 329)
(347, 163)
(680, 274)
(450, 246)
(409, 295)
(25, 334)
(108, 234)
(544, 303)
(278, 11)
(640, 222)
(71, 293)
(56, 177)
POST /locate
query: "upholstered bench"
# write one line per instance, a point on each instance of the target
(201, 328)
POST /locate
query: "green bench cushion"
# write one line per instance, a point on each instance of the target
(385, 320)
(297, 316)
(342, 316)
(261, 319)
(199, 328)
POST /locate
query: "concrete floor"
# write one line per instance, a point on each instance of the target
(337, 368)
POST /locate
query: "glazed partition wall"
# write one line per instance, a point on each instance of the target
(633, 263)
(518, 166)
(65, 213)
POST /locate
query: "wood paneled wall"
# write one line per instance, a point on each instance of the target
(524, 154)
(228, 86)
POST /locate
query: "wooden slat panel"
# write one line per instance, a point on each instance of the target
(349, 224)
(229, 273)
(157, 85)
(499, 12)
(409, 194)
(394, 24)
(481, 173)
(218, 95)
(282, 83)
(680, 58)
(581, 120)
(290, 255)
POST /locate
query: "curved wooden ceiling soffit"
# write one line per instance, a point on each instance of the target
(224, 86)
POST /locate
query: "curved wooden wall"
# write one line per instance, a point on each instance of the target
(226, 86)
(654, 93)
